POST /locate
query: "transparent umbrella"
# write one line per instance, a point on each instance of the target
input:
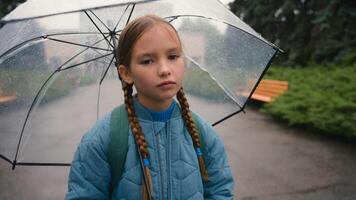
(58, 74)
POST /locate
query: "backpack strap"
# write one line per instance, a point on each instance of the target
(118, 145)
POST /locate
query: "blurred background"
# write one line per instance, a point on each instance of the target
(301, 145)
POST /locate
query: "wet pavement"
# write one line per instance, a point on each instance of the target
(268, 160)
(271, 161)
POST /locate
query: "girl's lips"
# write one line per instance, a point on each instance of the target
(165, 83)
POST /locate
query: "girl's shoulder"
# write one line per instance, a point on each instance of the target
(210, 138)
(205, 128)
(212, 144)
(99, 133)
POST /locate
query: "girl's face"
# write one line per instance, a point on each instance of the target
(156, 67)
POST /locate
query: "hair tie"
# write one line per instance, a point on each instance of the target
(146, 162)
(198, 151)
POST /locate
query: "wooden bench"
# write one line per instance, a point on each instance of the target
(268, 90)
(7, 99)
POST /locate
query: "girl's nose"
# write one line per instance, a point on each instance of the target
(164, 69)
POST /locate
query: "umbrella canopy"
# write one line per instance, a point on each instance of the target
(58, 74)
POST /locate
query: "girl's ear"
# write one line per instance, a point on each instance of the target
(125, 74)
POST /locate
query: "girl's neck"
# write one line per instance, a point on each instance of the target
(162, 116)
(155, 106)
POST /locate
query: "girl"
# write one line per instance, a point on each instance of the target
(150, 58)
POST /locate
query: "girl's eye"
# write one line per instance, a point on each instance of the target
(146, 62)
(173, 56)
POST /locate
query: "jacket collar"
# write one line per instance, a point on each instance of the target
(142, 113)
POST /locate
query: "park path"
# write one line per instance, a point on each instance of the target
(268, 160)
(272, 161)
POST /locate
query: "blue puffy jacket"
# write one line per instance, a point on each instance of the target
(174, 165)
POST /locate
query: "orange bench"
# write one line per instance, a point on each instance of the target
(268, 90)
(7, 99)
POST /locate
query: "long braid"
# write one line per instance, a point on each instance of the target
(189, 122)
(138, 135)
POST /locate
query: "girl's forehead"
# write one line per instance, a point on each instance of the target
(167, 29)
(156, 35)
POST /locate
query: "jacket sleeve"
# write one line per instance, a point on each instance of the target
(220, 184)
(89, 176)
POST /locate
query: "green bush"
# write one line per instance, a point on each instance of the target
(199, 83)
(24, 84)
(21, 83)
(60, 87)
(322, 98)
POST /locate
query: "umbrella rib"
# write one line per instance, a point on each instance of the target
(70, 59)
(227, 117)
(74, 33)
(173, 18)
(77, 44)
(114, 39)
(261, 76)
(101, 52)
(106, 71)
(99, 20)
(34, 39)
(42, 164)
(101, 81)
(5, 158)
(117, 24)
(132, 9)
(98, 28)
(75, 65)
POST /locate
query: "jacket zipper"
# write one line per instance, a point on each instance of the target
(168, 153)
(159, 164)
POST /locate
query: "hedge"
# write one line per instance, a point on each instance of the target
(321, 98)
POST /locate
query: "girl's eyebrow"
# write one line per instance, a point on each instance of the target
(173, 49)
(144, 55)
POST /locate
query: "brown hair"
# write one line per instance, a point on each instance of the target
(130, 34)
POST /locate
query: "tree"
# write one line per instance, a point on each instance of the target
(308, 30)
(7, 6)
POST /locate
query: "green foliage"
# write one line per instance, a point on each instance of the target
(60, 87)
(199, 83)
(8, 5)
(348, 59)
(320, 97)
(308, 30)
(25, 84)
